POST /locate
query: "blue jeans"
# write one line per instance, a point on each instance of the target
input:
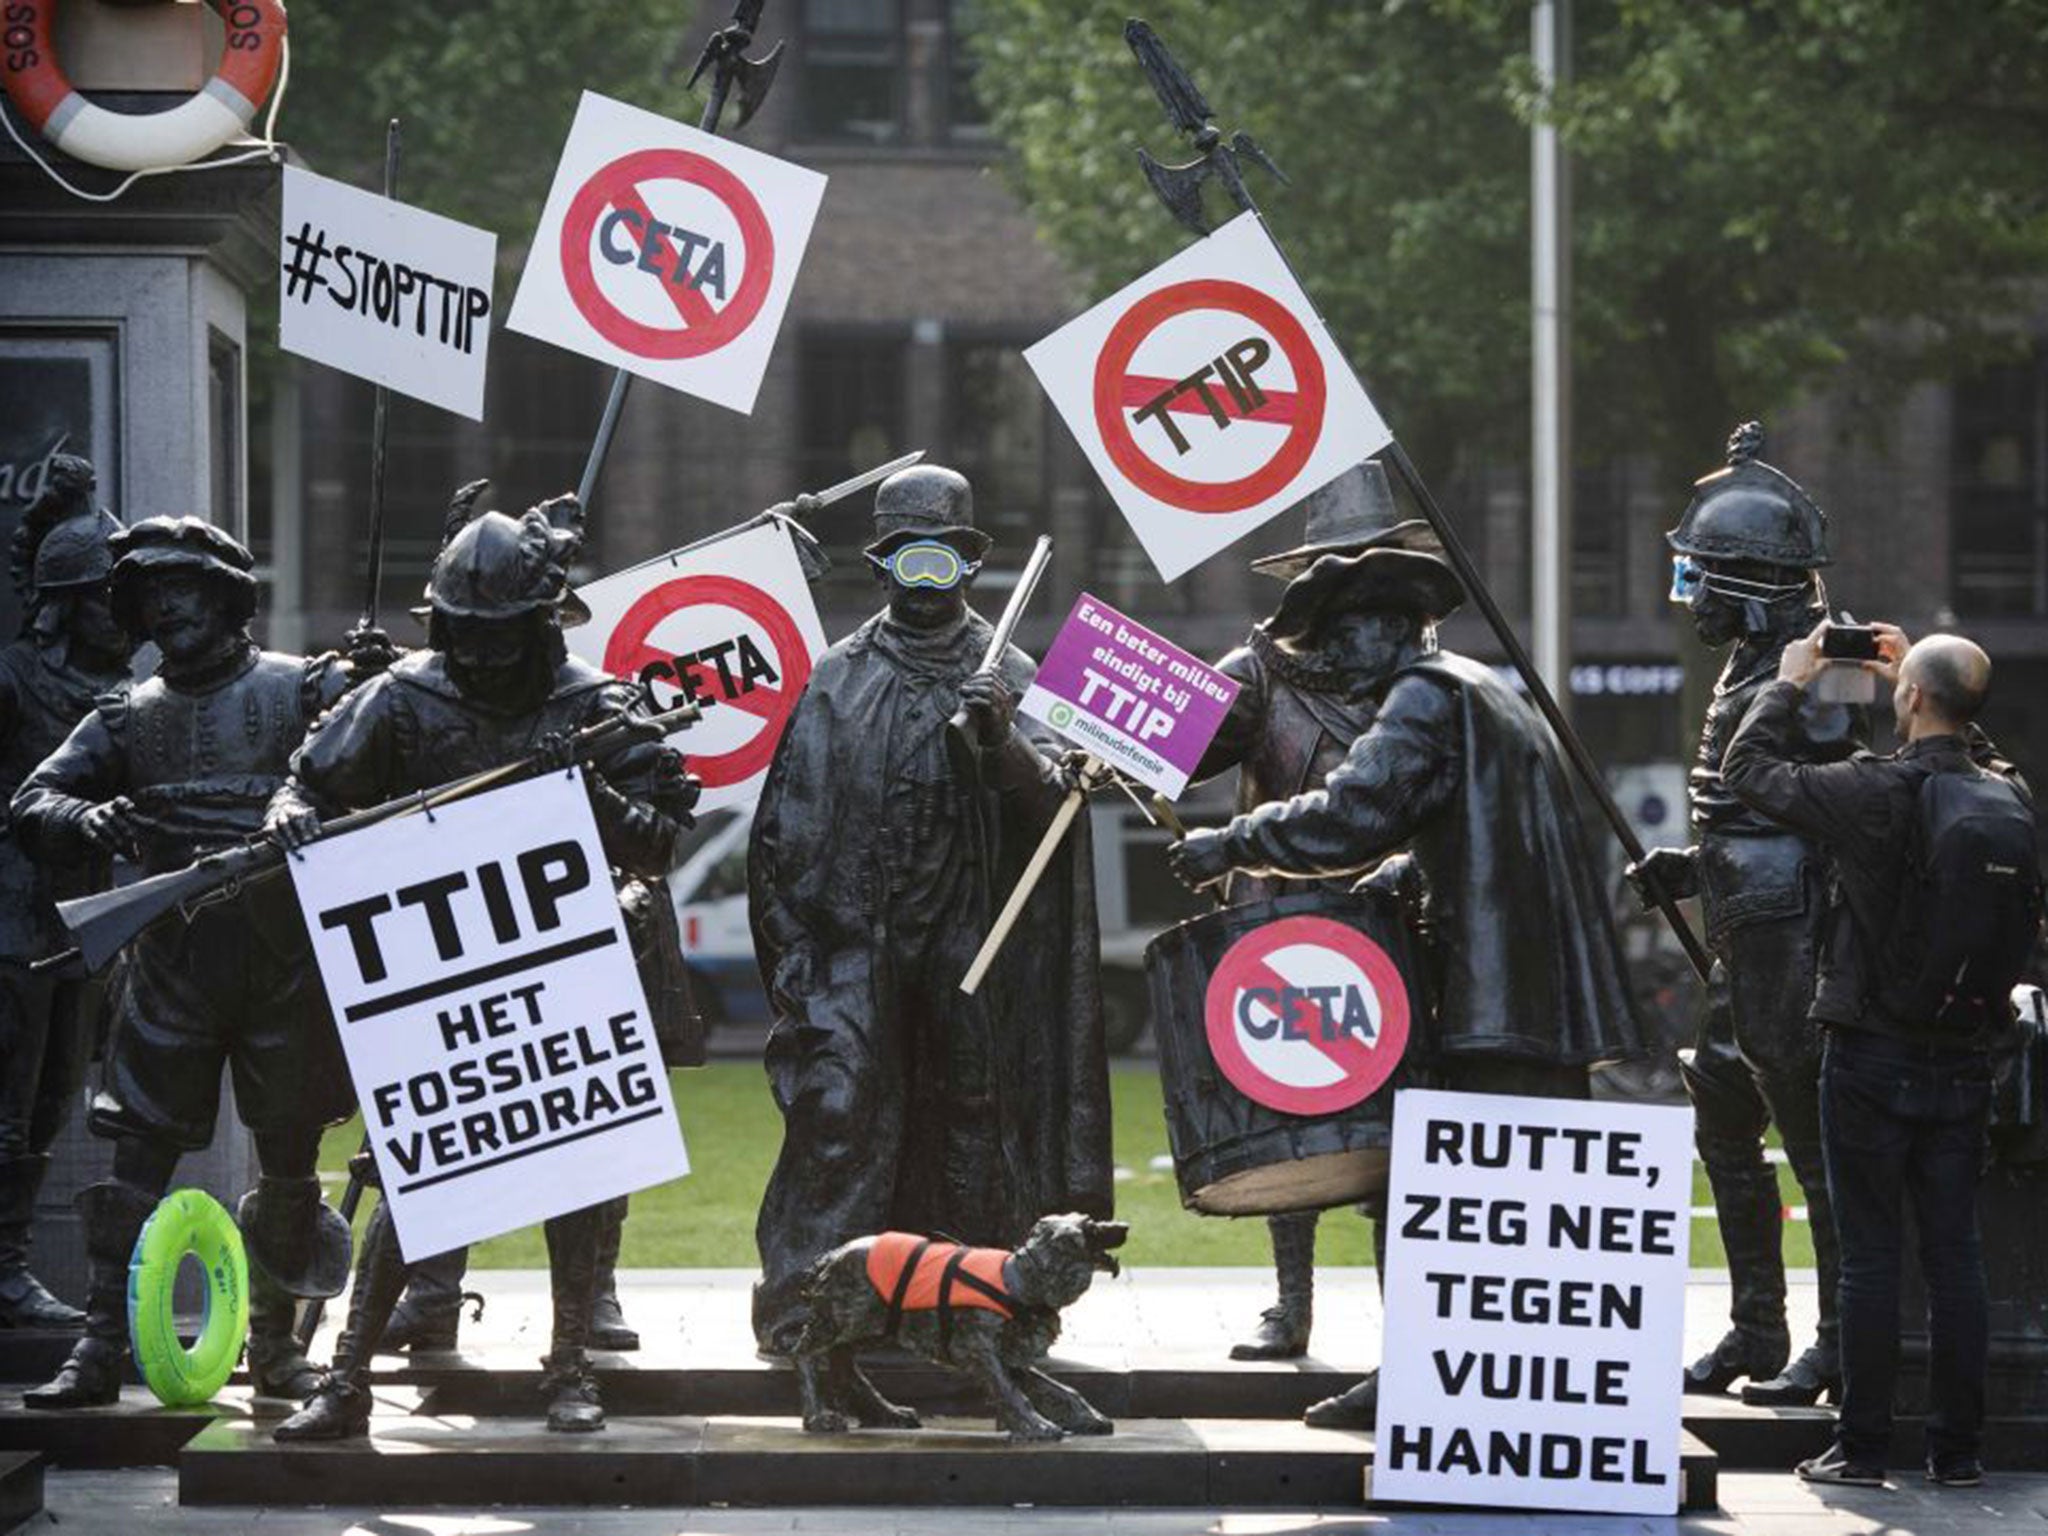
(1903, 1119)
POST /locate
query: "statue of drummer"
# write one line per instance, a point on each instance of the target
(494, 684)
(180, 766)
(881, 853)
(1299, 708)
(1746, 556)
(70, 651)
(1455, 769)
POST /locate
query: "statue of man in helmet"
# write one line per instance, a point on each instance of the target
(179, 766)
(1747, 555)
(879, 859)
(69, 652)
(495, 684)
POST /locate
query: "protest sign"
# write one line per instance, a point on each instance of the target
(1129, 695)
(1535, 1304)
(667, 251)
(1208, 396)
(385, 291)
(485, 992)
(729, 626)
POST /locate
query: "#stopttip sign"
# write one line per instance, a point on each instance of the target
(667, 251)
(730, 626)
(1208, 396)
(1307, 1016)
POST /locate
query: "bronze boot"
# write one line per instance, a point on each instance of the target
(114, 1213)
(339, 1407)
(568, 1385)
(1284, 1327)
(608, 1326)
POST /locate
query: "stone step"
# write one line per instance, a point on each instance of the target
(21, 1488)
(770, 1462)
(137, 1431)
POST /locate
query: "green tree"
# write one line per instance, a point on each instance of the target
(485, 90)
(1768, 195)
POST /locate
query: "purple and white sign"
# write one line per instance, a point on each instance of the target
(1132, 697)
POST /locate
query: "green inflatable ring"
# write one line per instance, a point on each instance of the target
(188, 1221)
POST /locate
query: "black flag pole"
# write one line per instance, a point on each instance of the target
(725, 55)
(380, 431)
(1179, 188)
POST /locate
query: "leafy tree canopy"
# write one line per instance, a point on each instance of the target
(1767, 195)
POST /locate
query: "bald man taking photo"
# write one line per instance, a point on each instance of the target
(1936, 897)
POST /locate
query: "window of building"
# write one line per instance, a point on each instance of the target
(966, 117)
(853, 53)
(1998, 491)
(851, 412)
(996, 422)
(1600, 549)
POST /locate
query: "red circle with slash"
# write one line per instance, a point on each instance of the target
(702, 329)
(630, 651)
(1307, 1016)
(1113, 389)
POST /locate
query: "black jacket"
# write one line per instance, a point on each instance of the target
(1863, 810)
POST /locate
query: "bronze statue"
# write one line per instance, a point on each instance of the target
(879, 858)
(495, 684)
(1457, 770)
(70, 651)
(1299, 708)
(182, 765)
(1747, 556)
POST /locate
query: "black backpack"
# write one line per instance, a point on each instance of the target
(1970, 909)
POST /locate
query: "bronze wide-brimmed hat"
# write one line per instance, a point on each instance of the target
(1379, 579)
(927, 501)
(1354, 512)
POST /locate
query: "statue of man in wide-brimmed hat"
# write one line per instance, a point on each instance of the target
(1443, 762)
(880, 856)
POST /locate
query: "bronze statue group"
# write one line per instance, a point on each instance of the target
(882, 846)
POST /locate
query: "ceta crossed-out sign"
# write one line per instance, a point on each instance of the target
(1307, 1016)
(667, 251)
(730, 627)
(1208, 396)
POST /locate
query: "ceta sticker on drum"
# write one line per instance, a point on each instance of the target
(1307, 1016)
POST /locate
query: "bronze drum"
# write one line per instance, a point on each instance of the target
(1284, 1029)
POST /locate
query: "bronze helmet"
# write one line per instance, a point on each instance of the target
(1753, 511)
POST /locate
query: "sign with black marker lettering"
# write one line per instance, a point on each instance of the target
(667, 251)
(729, 626)
(1535, 1304)
(1208, 395)
(484, 988)
(388, 292)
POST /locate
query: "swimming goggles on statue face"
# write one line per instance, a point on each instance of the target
(926, 563)
(1689, 579)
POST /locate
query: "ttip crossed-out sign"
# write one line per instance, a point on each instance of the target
(1208, 396)
(667, 251)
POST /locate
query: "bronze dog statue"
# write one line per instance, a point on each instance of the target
(988, 1312)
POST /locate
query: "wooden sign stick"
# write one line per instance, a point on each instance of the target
(1063, 818)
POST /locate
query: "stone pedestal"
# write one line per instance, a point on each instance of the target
(123, 334)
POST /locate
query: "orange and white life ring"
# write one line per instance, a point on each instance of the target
(122, 141)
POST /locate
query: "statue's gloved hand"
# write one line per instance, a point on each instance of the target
(990, 706)
(556, 753)
(1200, 859)
(113, 826)
(1072, 773)
(368, 651)
(680, 789)
(1672, 872)
(291, 827)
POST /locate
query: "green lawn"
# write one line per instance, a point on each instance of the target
(707, 1219)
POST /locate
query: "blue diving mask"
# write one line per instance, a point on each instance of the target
(926, 563)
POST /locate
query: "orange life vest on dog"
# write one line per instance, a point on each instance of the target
(920, 1274)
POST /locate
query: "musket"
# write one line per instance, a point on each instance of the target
(1180, 189)
(102, 923)
(725, 55)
